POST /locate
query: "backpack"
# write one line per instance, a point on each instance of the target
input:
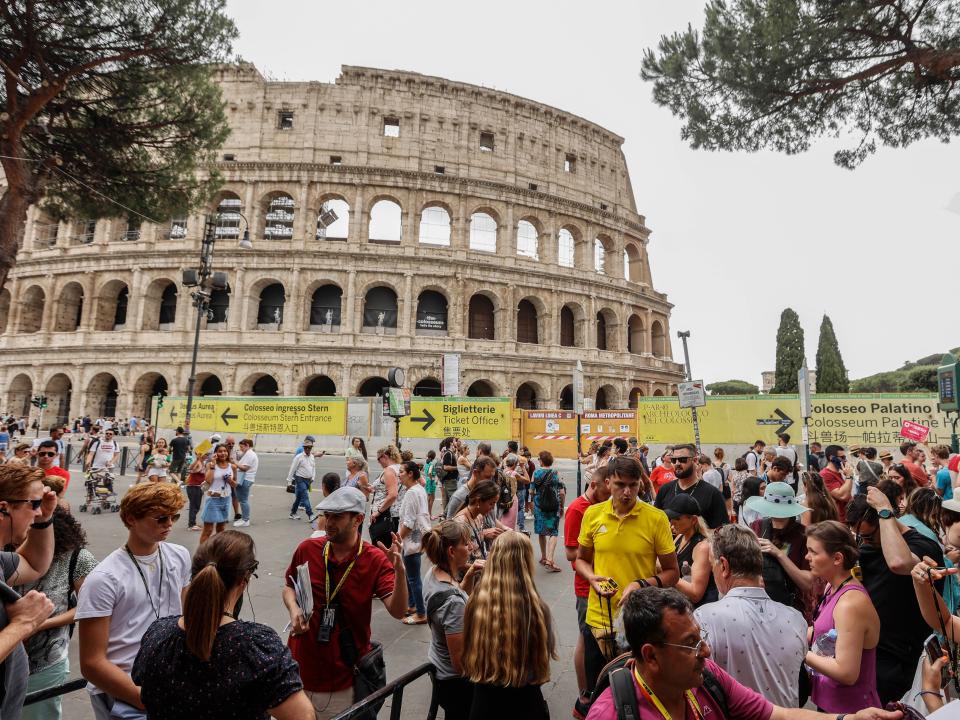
(72, 594)
(547, 499)
(505, 501)
(618, 674)
(777, 583)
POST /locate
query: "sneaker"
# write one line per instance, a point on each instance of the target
(196, 528)
(294, 517)
(242, 523)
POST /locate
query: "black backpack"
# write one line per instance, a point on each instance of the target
(505, 501)
(547, 499)
(618, 675)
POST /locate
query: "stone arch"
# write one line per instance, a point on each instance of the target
(428, 387)
(59, 392)
(373, 386)
(19, 392)
(528, 232)
(435, 224)
(658, 392)
(602, 254)
(673, 391)
(277, 211)
(160, 305)
(566, 397)
(380, 310)
(102, 393)
(607, 398)
(635, 394)
(658, 339)
(260, 384)
(385, 224)
(145, 388)
(636, 335)
(572, 322)
(607, 330)
(482, 388)
(111, 306)
(4, 310)
(482, 316)
(228, 211)
(327, 227)
(529, 395)
(265, 298)
(569, 240)
(69, 308)
(484, 230)
(632, 263)
(208, 384)
(432, 313)
(318, 386)
(32, 303)
(530, 316)
(326, 306)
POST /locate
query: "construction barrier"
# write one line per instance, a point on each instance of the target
(551, 430)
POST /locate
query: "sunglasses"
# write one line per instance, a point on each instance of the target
(682, 460)
(47, 454)
(164, 519)
(34, 504)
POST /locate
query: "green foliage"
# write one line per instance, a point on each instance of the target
(831, 373)
(732, 387)
(789, 353)
(918, 376)
(780, 73)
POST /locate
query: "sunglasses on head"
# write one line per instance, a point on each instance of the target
(34, 504)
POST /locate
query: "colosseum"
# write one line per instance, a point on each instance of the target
(394, 217)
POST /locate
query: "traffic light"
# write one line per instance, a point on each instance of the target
(159, 401)
(43, 401)
(35, 401)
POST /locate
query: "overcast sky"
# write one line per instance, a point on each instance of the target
(736, 237)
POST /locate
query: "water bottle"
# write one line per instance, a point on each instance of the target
(686, 571)
(826, 644)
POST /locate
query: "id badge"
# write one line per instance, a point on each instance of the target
(327, 619)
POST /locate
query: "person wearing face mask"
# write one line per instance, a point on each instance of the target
(712, 505)
(255, 672)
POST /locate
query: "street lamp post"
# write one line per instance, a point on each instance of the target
(683, 335)
(205, 281)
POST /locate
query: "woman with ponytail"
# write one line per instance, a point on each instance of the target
(214, 665)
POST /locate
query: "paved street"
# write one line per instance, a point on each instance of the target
(276, 536)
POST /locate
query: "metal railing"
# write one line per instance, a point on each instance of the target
(394, 690)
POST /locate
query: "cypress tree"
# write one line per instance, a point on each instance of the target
(831, 373)
(789, 352)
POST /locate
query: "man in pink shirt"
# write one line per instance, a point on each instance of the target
(672, 675)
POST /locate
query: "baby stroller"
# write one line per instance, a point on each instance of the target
(100, 494)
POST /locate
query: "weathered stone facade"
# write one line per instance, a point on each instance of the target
(470, 221)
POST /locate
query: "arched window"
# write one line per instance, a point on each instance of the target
(635, 395)
(380, 309)
(219, 307)
(325, 307)
(373, 386)
(599, 256)
(431, 313)
(320, 386)
(228, 217)
(435, 226)
(626, 265)
(5, 310)
(526, 397)
(31, 313)
(567, 331)
(480, 388)
(211, 385)
(270, 309)
(527, 322)
(481, 318)
(331, 228)
(168, 305)
(120, 316)
(278, 217)
(565, 248)
(528, 240)
(385, 222)
(69, 308)
(659, 339)
(428, 387)
(635, 333)
(632, 264)
(566, 398)
(265, 386)
(601, 332)
(601, 403)
(483, 232)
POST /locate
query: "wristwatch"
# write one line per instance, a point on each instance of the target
(885, 514)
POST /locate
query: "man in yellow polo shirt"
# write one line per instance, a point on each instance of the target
(621, 540)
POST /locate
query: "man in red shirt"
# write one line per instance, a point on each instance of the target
(911, 457)
(346, 573)
(597, 492)
(663, 473)
(47, 454)
(838, 478)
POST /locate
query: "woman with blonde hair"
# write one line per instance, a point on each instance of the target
(506, 604)
(385, 500)
(217, 666)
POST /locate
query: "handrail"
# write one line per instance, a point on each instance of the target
(52, 692)
(395, 689)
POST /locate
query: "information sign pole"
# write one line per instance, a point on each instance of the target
(683, 335)
(803, 385)
(578, 408)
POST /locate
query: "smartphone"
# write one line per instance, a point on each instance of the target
(934, 651)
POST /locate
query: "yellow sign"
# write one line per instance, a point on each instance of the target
(552, 430)
(258, 415)
(466, 418)
(866, 419)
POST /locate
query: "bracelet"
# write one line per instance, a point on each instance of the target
(928, 692)
(42, 525)
(656, 579)
(642, 583)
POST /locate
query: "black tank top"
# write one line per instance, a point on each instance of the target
(711, 594)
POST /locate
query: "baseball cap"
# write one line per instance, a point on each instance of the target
(309, 440)
(682, 504)
(346, 499)
(215, 438)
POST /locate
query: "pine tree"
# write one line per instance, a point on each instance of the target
(789, 352)
(831, 373)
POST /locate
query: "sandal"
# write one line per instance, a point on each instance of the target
(542, 561)
(414, 620)
(551, 567)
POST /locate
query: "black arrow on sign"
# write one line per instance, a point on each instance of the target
(173, 414)
(784, 422)
(427, 420)
(226, 417)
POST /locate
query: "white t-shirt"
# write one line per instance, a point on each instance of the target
(56, 460)
(415, 515)
(753, 461)
(714, 477)
(249, 458)
(114, 589)
(106, 449)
